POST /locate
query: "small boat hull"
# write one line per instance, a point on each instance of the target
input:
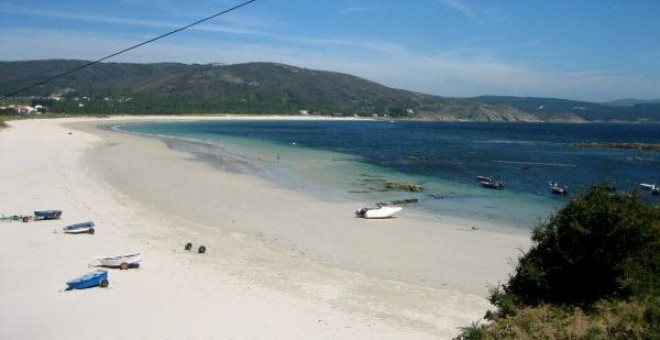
(381, 212)
(93, 279)
(492, 184)
(80, 228)
(557, 188)
(648, 186)
(558, 191)
(47, 214)
(118, 261)
(485, 179)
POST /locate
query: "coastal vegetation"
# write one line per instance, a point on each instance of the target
(593, 272)
(270, 88)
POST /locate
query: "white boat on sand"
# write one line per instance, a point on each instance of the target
(379, 212)
(122, 261)
(80, 228)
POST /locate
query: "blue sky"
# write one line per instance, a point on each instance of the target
(583, 49)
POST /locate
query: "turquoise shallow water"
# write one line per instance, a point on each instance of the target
(339, 160)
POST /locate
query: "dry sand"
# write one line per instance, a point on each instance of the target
(280, 264)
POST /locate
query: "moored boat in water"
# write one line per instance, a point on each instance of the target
(648, 186)
(557, 188)
(485, 178)
(492, 184)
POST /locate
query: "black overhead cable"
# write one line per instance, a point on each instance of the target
(131, 48)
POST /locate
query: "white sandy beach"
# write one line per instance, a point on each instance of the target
(280, 264)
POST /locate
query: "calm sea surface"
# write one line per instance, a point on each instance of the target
(339, 160)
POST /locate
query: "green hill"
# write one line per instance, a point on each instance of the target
(172, 88)
(628, 102)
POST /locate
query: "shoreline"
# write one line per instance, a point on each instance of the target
(287, 261)
(333, 175)
(221, 116)
(345, 238)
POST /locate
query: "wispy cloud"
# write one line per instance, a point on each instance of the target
(461, 6)
(235, 27)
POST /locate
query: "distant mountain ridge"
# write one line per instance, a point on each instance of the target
(628, 102)
(554, 109)
(173, 88)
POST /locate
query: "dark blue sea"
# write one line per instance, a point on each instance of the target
(352, 159)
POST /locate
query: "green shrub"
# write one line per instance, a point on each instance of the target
(601, 244)
(593, 272)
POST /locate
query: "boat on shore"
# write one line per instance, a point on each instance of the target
(557, 188)
(47, 214)
(97, 278)
(80, 228)
(379, 212)
(122, 261)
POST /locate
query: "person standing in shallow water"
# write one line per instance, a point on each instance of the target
(278, 158)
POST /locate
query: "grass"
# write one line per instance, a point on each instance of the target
(609, 319)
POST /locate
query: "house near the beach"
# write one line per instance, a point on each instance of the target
(27, 109)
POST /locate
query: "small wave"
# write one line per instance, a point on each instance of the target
(538, 163)
(520, 142)
(505, 141)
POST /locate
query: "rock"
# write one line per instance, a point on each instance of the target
(400, 186)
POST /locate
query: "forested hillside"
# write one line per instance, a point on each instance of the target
(268, 88)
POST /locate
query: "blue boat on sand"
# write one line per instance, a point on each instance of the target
(47, 214)
(97, 278)
(80, 228)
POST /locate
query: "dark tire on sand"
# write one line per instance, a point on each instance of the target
(104, 283)
(123, 266)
